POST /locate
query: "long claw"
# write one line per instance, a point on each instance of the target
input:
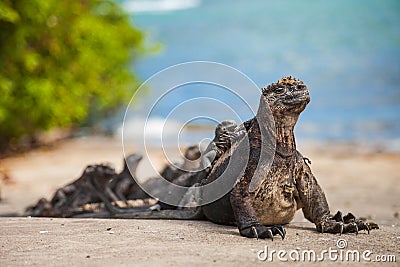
(355, 225)
(280, 233)
(337, 224)
(260, 231)
(270, 235)
(254, 231)
(367, 228)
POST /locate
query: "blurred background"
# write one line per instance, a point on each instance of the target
(74, 64)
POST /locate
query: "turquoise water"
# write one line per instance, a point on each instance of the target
(347, 52)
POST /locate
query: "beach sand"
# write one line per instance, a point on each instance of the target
(363, 181)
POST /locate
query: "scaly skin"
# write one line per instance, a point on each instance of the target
(224, 132)
(287, 185)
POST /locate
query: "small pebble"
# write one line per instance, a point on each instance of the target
(43, 232)
(109, 228)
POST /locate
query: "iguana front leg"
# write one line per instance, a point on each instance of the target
(315, 207)
(246, 218)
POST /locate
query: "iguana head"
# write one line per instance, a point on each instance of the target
(227, 126)
(223, 132)
(287, 96)
(101, 173)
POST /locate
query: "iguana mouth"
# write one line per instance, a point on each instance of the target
(297, 98)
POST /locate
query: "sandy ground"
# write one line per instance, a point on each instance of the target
(354, 179)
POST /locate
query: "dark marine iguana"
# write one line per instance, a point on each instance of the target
(171, 172)
(195, 167)
(69, 199)
(124, 183)
(225, 134)
(286, 185)
(87, 193)
(125, 187)
(81, 195)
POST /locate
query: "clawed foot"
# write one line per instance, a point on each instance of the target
(261, 231)
(338, 224)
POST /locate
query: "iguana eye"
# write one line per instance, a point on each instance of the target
(279, 90)
(301, 86)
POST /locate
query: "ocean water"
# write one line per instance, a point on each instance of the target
(347, 52)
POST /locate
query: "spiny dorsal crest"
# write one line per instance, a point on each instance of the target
(285, 81)
(289, 81)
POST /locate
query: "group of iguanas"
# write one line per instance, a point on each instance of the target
(283, 179)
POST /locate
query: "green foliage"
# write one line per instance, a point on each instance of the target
(60, 61)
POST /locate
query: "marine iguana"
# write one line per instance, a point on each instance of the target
(87, 194)
(69, 199)
(225, 135)
(124, 183)
(171, 172)
(191, 160)
(81, 195)
(286, 185)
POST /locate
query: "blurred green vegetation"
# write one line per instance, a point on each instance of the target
(61, 62)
